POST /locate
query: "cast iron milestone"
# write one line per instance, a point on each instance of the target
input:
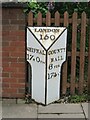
(46, 52)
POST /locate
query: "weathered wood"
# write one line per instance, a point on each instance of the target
(66, 20)
(57, 19)
(30, 19)
(48, 19)
(77, 54)
(61, 20)
(64, 71)
(73, 53)
(82, 52)
(39, 19)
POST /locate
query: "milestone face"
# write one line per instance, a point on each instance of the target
(46, 52)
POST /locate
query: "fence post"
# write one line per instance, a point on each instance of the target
(82, 52)
(39, 19)
(64, 71)
(30, 18)
(73, 52)
(57, 19)
(48, 19)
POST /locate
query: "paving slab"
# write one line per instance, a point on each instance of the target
(72, 116)
(85, 108)
(61, 116)
(21, 101)
(48, 116)
(9, 101)
(60, 108)
(19, 111)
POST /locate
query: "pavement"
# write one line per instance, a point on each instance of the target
(11, 109)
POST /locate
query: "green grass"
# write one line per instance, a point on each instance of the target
(79, 98)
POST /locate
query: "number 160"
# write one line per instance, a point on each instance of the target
(46, 37)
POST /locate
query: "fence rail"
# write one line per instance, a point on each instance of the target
(76, 69)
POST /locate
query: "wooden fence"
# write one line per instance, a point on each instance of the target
(73, 79)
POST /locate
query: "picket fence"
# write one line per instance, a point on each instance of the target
(75, 76)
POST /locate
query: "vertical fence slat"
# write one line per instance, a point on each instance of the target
(82, 52)
(48, 19)
(39, 19)
(89, 62)
(64, 71)
(73, 52)
(57, 19)
(30, 19)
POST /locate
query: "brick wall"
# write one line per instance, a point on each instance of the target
(13, 52)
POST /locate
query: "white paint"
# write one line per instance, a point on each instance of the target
(53, 84)
(46, 43)
(46, 65)
(38, 70)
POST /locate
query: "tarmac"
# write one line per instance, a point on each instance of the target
(62, 111)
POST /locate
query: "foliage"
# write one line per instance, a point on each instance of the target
(73, 7)
(43, 7)
(35, 8)
(78, 98)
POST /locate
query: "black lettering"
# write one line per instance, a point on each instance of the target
(52, 37)
(52, 59)
(50, 66)
(37, 59)
(36, 30)
(46, 37)
(30, 57)
(41, 37)
(61, 58)
(37, 50)
(52, 75)
(46, 30)
(40, 30)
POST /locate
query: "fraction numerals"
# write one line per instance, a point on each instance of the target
(32, 57)
(53, 75)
